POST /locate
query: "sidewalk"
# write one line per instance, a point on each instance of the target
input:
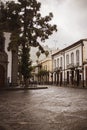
(27, 88)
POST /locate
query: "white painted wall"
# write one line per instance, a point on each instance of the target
(85, 51)
(74, 49)
(7, 40)
(68, 51)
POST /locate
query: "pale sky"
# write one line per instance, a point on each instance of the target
(70, 16)
(71, 19)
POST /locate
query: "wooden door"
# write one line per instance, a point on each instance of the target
(60, 78)
(86, 75)
(2, 76)
(67, 77)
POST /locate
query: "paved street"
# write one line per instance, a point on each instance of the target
(55, 108)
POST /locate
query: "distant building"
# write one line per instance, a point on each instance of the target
(7, 40)
(12, 72)
(43, 70)
(42, 55)
(46, 65)
(70, 65)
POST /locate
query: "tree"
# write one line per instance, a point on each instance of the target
(26, 65)
(38, 54)
(2, 41)
(46, 53)
(24, 20)
(42, 74)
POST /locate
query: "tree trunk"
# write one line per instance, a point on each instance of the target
(26, 83)
(14, 67)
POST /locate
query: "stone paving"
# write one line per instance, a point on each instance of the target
(55, 108)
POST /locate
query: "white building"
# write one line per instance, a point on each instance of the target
(70, 65)
(9, 53)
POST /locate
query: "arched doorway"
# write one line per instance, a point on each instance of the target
(61, 78)
(2, 76)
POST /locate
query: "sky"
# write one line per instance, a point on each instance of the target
(70, 16)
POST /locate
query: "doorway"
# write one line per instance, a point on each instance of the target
(60, 78)
(2, 76)
(86, 75)
(67, 77)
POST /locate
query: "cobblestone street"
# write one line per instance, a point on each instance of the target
(55, 108)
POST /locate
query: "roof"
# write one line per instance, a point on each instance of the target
(70, 46)
(45, 60)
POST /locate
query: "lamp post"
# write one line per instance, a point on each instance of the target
(64, 68)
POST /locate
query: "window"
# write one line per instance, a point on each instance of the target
(45, 67)
(2, 43)
(77, 56)
(54, 63)
(72, 58)
(58, 62)
(67, 59)
(1, 46)
(61, 62)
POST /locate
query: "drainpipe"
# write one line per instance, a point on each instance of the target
(64, 68)
(64, 65)
(82, 68)
(52, 71)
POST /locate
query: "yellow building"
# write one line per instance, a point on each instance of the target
(46, 64)
(45, 70)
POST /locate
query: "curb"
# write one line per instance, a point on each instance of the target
(16, 89)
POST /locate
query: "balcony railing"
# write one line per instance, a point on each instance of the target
(70, 66)
(77, 64)
(57, 69)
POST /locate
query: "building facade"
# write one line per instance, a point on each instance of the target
(12, 71)
(42, 73)
(70, 65)
(3, 63)
(46, 65)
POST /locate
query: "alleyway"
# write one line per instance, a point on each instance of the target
(55, 108)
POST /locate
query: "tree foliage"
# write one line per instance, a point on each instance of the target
(28, 28)
(43, 72)
(38, 54)
(25, 18)
(2, 41)
(46, 53)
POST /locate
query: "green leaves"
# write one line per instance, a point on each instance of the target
(2, 41)
(43, 72)
(38, 54)
(27, 27)
(25, 18)
(26, 63)
(46, 53)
